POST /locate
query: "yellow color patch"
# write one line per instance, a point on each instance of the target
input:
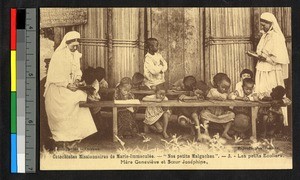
(13, 69)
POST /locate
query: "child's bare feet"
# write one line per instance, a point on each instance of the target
(199, 138)
(193, 133)
(165, 134)
(146, 128)
(225, 135)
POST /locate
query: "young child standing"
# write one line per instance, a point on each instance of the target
(154, 66)
(155, 114)
(126, 122)
(220, 115)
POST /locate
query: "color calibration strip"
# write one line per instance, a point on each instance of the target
(13, 95)
(23, 90)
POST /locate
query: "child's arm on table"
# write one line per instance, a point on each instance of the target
(151, 99)
(213, 94)
(184, 97)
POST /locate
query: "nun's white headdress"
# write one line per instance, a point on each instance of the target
(69, 36)
(280, 49)
(271, 18)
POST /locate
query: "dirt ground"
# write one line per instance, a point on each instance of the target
(103, 140)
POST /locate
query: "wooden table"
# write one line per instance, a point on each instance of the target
(174, 103)
(144, 92)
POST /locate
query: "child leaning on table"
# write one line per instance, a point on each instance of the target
(155, 65)
(127, 126)
(156, 117)
(219, 115)
(189, 116)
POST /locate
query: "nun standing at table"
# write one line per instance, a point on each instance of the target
(67, 121)
(273, 60)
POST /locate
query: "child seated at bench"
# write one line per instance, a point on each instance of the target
(219, 115)
(89, 79)
(270, 120)
(188, 116)
(156, 117)
(100, 75)
(245, 73)
(127, 126)
(138, 82)
(241, 122)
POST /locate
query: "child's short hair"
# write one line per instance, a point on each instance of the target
(189, 83)
(149, 41)
(100, 73)
(278, 92)
(137, 78)
(160, 87)
(219, 77)
(248, 81)
(203, 87)
(246, 71)
(88, 75)
(125, 80)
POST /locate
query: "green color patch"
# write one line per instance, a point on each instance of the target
(13, 112)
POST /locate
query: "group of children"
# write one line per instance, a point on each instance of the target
(157, 118)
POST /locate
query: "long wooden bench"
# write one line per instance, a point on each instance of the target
(175, 103)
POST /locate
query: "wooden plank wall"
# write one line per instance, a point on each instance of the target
(194, 41)
(94, 34)
(118, 49)
(227, 38)
(178, 31)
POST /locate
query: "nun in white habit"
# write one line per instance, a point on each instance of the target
(272, 66)
(67, 121)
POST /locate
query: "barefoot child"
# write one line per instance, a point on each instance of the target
(155, 66)
(155, 114)
(188, 116)
(220, 115)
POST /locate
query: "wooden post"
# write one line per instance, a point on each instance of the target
(254, 111)
(110, 60)
(141, 39)
(256, 26)
(206, 48)
(149, 24)
(115, 123)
